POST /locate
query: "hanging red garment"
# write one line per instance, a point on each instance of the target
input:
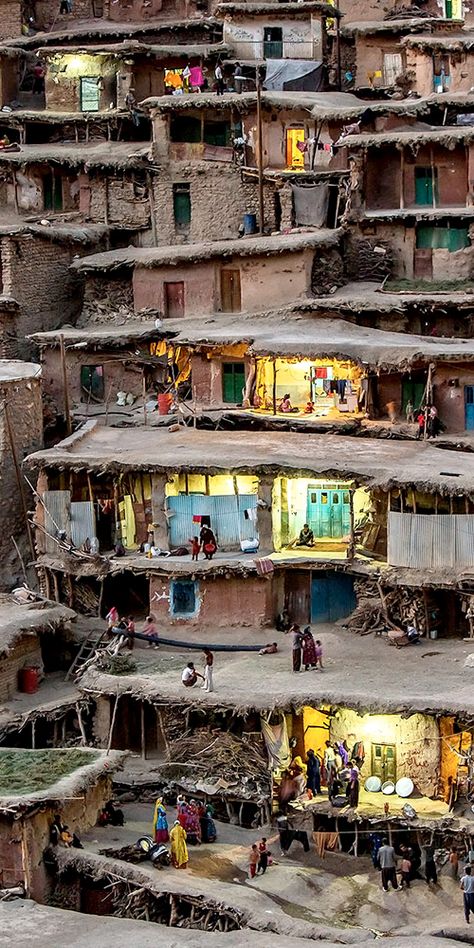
(321, 372)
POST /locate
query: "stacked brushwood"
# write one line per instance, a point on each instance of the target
(399, 608)
(216, 758)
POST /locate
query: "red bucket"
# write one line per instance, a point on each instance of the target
(164, 403)
(28, 680)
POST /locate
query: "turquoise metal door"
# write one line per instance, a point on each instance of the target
(469, 407)
(328, 512)
(332, 597)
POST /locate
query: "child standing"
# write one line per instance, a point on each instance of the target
(263, 854)
(195, 548)
(405, 870)
(319, 654)
(254, 857)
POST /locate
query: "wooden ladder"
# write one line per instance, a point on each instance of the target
(94, 642)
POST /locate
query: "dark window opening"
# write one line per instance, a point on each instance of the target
(183, 597)
(185, 129)
(92, 382)
(217, 133)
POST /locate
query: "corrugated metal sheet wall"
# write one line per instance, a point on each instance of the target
(57, 505)
(227, 515)
(82, 522)
(424, 541)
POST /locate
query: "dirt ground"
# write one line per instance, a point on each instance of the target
(358, 672)
(300, 892)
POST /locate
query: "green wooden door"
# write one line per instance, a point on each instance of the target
(425, 185)
(52, 192)
(233, 382)
(412, 392)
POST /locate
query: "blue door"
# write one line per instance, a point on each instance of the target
(469, 407)
(328, 512)
(332, 597)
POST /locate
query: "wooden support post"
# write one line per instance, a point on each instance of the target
(81, 724)
(261, 209)
(33, 734)
(402, 178)
(142, 731)
(111, 729)
(351, 544)
(274, 401)
(67, 413)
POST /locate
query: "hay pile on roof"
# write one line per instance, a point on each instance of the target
(29, 771)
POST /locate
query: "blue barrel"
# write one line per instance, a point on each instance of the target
(250, 223)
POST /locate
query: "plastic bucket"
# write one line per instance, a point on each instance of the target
(250, 223)
(164, 403)
(28, 680)
(433, 633)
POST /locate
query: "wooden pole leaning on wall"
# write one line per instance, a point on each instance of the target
(67, 412)
(19, 478)
(259, 150)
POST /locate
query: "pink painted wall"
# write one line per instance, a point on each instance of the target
(220, 605)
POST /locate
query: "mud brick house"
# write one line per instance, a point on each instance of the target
(32, 635)
(374, 500)
(35, 786)
(440, 63)
(424, 208)
(96, 78)
(263, 31)
(230, 276)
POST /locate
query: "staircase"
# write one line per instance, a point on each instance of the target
(95, 642)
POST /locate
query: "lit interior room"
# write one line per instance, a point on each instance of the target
(321, 388)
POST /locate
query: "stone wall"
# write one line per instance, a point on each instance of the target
(26, 419)
(36, 274)
(219, 200)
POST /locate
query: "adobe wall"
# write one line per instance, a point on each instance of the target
(119, 376)
(52, 294)
(26, 418)
(449, 399)
(416, 738)
(265, 281)
(206, 375)
(26, 651)
(47, 13)
(383, 173)
(79, 814)
(302, 38)
(8, 80)
(200, 287)
(220, 604)
(10, 19)
(219, 200)
(460, 72)
(370, 56)
(63, 85)
(118, 199)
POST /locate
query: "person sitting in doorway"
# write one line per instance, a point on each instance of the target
(190, 676)
(285, 405)
(306, 537)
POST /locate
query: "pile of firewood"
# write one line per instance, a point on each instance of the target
(217, 756)
(397, 609)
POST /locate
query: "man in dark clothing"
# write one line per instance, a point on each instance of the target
(313, 776)
(431, 874)
(388, 863)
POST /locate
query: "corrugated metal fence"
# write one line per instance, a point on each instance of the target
(227, 515)
(77, 520)
(430, 541)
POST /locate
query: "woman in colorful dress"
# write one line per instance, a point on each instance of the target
(160, 823)
(309, 649)
(179, 850)
(193, 825)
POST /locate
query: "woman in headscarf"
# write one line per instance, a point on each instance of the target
(193, 825)
(160, 823)
(208, 827)
(309, 649)
(181, 809)
(179, 850)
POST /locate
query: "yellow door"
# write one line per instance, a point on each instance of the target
(294, 157)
